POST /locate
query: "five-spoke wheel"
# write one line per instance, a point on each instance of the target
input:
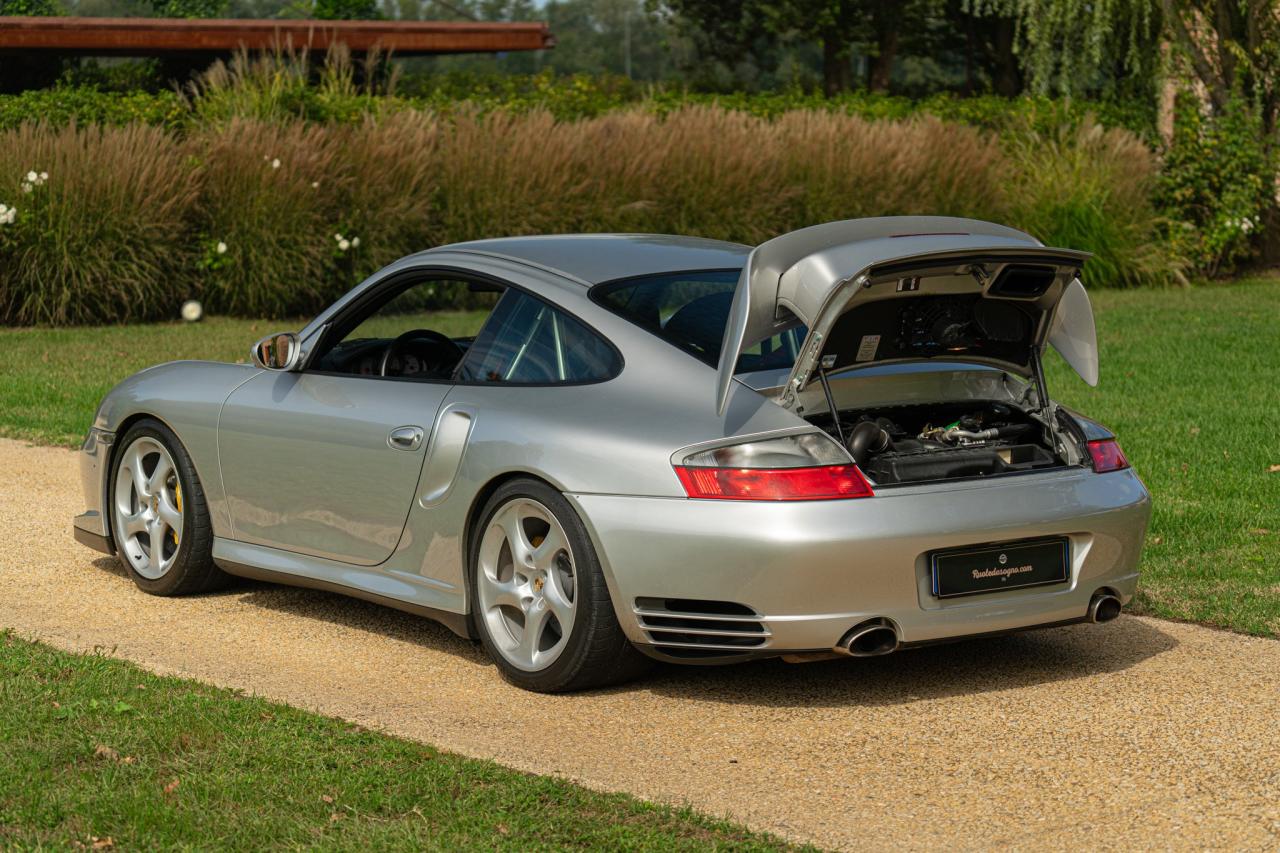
(148, 507)
(540, 602)
(526, 584)
(158, 515)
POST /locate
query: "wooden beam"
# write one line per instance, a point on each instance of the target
(164, 36)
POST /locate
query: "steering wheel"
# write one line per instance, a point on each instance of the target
(432, 338)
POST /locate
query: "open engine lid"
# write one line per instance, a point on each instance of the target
(898, 289)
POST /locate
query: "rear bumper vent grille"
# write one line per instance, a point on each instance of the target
(690, 629)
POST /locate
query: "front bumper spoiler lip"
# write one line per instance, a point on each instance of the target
(88, 529)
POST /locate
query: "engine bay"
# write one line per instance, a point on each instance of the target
(943, 441)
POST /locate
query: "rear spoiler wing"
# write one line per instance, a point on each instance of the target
(835, 254)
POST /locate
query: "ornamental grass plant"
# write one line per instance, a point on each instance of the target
(101, 224)
(272, 215)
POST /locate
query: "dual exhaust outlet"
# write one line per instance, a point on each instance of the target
(877, 637)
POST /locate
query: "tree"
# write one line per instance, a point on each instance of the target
(872, 27)
(1232, 47)
(343, 10)
(189, 8)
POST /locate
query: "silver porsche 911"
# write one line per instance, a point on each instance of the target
(839, 442)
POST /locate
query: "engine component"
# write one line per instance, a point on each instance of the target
(956, 434)
(867, 437)
(977, 439)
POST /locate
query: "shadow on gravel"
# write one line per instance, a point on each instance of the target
(335, 609)
(933, 672)
(111, 565)
(354, 613)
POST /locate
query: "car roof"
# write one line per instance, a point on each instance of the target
(595, 258)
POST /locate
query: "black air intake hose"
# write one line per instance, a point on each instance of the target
(865, 439)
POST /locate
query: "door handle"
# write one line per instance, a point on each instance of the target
(405, 438)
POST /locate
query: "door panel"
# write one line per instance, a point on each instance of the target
(310, 464)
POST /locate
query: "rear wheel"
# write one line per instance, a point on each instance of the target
(158, 514)
(541, 606)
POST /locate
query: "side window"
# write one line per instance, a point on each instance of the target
(419, 330)
(527, 341)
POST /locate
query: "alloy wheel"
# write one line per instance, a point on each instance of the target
(526, 584)
(147, 508)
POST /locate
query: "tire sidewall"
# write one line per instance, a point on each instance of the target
(153, 429)
(588, 579)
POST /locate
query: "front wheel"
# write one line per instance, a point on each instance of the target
(158, 514)
(541, 606)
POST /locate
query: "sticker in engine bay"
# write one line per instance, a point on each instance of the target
(867, 348)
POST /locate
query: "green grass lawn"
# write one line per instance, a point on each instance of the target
(94, 748)
(1190, 383)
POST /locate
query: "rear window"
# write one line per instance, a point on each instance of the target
(690, 310)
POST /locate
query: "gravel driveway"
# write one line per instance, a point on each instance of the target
(1138, 733)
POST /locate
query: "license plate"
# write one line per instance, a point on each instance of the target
(992, 568)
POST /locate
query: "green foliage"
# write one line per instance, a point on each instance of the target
(345, 10)
(190, 8)
(1092, 189)
(129, 76)
(29, 7)
(281, 87)
(1074, 46)
(86, 105)
(1216, 184)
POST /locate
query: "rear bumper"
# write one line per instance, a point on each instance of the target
(811, 571)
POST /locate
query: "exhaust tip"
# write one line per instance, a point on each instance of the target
(870, 639)
(1103, 607)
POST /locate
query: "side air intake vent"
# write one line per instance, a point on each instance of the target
(688, 628)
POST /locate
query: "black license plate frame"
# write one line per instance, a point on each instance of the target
(999, 566)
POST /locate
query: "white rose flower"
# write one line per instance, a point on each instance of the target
(26, 188)
(3, 209)
(315, 185)
(275, 164)
(8, 217)
(32, 177)
(44, 176)
(221, 247)
(355, 241)
(344, 245)
(338, 237)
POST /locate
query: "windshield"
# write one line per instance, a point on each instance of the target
(689, 310)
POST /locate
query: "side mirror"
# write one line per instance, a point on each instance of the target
(279, 351)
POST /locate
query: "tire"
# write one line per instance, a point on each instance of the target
(173, 509)
(507, 600)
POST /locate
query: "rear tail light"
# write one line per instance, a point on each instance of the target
(806, 467)
(1107, 455)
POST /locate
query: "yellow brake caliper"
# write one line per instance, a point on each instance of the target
(177, 500)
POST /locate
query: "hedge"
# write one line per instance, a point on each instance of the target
(291, 93)
(244, 213)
